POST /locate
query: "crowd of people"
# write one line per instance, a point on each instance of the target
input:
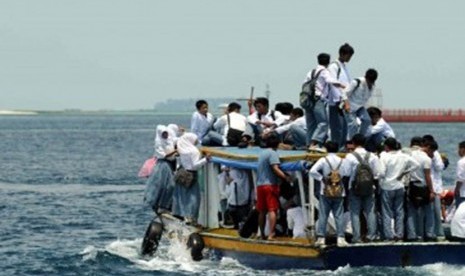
(396, 191)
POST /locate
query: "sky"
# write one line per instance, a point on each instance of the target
(125, 55)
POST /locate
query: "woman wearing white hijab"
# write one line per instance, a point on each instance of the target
(160, 185)
(186, 200)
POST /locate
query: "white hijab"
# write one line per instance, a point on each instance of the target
(163, 146)
(187, 148)
(174, 132)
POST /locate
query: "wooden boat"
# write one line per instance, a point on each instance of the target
(287, 252)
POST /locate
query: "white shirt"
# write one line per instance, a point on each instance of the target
(344, 78)
(296, 221)
(393, 164)
(236, 120)
(383, 128)
(457, 225)
(323, 83)
(437, 167)
(279, 118)
(189, 154)
(200, 124)
(240, 186)
(357, 97)
(350, 163)
(460, 176)
(425, 163)
(322, 166)
(300, 122)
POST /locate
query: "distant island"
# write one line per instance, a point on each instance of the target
(188, 105)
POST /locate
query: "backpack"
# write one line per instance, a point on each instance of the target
(307, 95)
(364, 180)
(333, 185)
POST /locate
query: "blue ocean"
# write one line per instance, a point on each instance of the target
(71, 201)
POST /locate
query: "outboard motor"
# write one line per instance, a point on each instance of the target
(196, 245)
(152, 238)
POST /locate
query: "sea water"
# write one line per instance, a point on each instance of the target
(71, 202)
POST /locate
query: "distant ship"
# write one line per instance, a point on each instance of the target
(417, 115)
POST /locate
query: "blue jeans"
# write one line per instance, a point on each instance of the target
(352, 126)
(392, 205)
(317, 122)
(212, 138)
(438, 229)
(299, 136)
(420, 222)
(367, 204)
(337, 125)
(327, 205)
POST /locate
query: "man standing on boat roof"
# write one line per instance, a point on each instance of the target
(355, 97)
(339, 71)
(315, 114)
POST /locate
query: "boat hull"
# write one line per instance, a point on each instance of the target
(302, 255)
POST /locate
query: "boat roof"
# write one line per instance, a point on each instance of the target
(246, 158)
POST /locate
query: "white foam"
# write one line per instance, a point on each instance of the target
(441, 269)
(89, 253)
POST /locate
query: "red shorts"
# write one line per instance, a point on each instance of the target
(267, 198)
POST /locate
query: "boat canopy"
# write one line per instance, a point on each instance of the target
(291, 160)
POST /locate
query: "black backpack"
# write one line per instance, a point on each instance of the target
(364, 180)
(307, 95)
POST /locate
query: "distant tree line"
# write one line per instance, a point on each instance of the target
(188, 105)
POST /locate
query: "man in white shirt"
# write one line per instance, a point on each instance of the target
(420, 222)
(202, 120)
(339, 71)
(379, 130)
(358, 203)
(329, 202)
(295, 129)
(394, 166)
(263, 119)
(437, 166)
(315, 115)
(355, 97)
(228, 128)
(460, 176)
(239, 195)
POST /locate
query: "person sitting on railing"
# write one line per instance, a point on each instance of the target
(228, 129)
(293, 133)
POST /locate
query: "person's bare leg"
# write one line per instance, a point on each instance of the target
(261, 224)
(272, 222)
